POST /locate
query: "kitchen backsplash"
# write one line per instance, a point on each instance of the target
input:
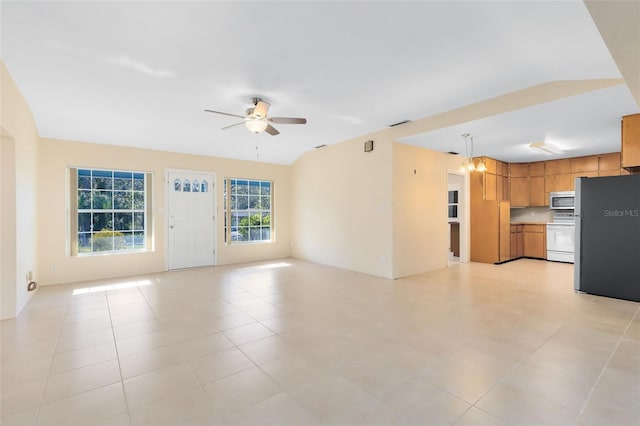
(532, 214)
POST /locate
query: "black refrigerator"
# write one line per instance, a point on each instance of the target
(607, 257)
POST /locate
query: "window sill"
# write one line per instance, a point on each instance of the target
(110, 253)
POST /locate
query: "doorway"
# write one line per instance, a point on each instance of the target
(457, 222)
(191, 219)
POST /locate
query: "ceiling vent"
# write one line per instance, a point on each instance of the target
(399, 123)
(452, 153)
(320, 146)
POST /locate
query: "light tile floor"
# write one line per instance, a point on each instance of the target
(294, 343)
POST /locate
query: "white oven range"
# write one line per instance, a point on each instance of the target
(561, 238)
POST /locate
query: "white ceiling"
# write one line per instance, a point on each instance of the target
(141, 73)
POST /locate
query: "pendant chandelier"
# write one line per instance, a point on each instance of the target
(470, 164)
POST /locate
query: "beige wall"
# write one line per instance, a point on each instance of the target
(420, 226)
(19, 254)
(7, 226)
(341, 212)
(367, 212)
(370, 212)
(56, 266)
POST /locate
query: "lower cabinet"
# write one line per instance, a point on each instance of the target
(528, 240)
(534, 241)
(517, 248)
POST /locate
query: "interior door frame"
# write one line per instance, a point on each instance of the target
(167, 189)
(464, 214)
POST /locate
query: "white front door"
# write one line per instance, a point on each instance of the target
(191, 219)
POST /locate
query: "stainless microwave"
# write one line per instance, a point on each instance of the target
(565, 200)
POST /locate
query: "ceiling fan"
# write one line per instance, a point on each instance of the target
(256, 119)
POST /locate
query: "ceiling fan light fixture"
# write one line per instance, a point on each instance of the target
(545, 148)
(256, 118)
(256, 125)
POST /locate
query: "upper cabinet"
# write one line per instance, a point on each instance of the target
(493, 183)
(519, 184)
(529, 184)
(609, 164)
(556, 167)
(631, 143)
(584, 165)
(557, 176)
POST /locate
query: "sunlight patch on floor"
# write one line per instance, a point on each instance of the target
(109, 287)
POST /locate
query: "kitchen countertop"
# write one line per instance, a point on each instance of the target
(529, 223)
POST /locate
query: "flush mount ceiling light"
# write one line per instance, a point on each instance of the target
(545, 148)
(470, 164)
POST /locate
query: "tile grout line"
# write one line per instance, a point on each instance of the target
(113, 333)
(201, 385)
(501, 380)
(124, 391)
(604, 368)
(46, 383)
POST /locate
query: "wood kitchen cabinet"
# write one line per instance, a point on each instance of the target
(583, 167)
(556, 183)
(490, 239)
(517, 248)
(519, 170)
(506, 189)
(609, 172)
(502, 181)
(494, 183)
(483, 185)
(557, 167)
(490, 186)
(502, 188)
(519, 191)
(609, 162)
(536, 184)
(504, 224)
(537, 168)
(490, 218)
(534, 241)
(536, 191)
(527, 184)
(492, 165)
(528, 240)
(531, 183)
(557, 177)
(581, 174)
(587, 165)
(631, 143)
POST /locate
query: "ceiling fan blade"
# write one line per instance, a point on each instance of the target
(232, 125)
(288, 120)
(272, 130)
(225, 113)
(261, 109)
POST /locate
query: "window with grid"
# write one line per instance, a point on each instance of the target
(248, 210)
(110, 211)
